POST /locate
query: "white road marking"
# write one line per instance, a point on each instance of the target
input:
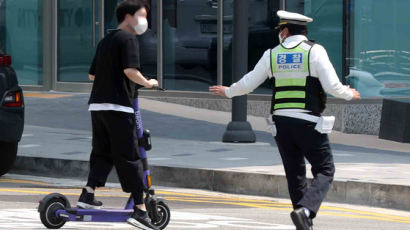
(29, 146)
(353, 169)
(27, 135)
(233, 159)
(251, 225)
(159, 159)
(213, 221)
(342, 154)
(30, 219)
(241, 144)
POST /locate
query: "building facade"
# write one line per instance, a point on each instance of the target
(52, 41)
(188, 46)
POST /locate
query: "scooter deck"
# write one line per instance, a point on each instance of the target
(95, 215)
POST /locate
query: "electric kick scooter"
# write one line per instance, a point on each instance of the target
(55, 209)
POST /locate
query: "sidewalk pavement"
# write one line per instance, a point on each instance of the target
(188, 152)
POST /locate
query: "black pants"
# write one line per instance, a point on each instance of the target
(115, 144)
(297, 139)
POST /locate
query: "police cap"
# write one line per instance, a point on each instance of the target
(292, 18)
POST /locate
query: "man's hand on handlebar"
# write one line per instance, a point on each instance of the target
(151, 83)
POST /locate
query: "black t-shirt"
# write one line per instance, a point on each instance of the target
(117, 51)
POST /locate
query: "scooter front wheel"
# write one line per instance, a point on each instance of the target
(164, 214)
(48, 208)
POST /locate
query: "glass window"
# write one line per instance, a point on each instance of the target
(190, 41)
(148, 44)
(326, 28)
(21, 36)
(262, 36)
(77, 39)
(379, 60)
(110, 19)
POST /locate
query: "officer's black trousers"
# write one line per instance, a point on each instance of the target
(297, 139)
(114, 143)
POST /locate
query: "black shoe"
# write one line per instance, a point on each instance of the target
(300, 220)
(141, 220)
(87, 201)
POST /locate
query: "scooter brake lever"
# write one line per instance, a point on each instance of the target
(155, 87)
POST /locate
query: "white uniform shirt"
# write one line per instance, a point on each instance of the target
(320, 67)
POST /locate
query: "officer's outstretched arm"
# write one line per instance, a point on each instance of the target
(324, 70)
(218, 90)
(249, 82)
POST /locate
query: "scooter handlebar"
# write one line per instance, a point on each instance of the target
(156, 87)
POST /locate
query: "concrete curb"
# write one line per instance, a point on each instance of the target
(351, 192)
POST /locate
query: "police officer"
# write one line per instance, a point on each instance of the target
(301, 73)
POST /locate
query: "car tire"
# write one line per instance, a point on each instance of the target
(8, 153)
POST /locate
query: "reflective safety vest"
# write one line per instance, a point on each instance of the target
(293, 86)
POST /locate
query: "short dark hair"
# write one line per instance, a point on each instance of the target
(129, 7)
(295, 29)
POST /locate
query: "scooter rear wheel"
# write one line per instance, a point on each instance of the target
(48, 208)
(164, 213)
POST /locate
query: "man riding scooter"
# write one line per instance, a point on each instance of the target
(116, 73)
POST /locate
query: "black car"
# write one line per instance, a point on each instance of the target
(11, 114)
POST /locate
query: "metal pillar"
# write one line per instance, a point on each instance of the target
(49, 46)
(239, 130)
(282, 4)
(160, 47)
(220, 46)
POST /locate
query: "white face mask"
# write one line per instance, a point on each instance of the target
(142, 26)
(280, 38)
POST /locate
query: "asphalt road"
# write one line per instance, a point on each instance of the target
(190, 209)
